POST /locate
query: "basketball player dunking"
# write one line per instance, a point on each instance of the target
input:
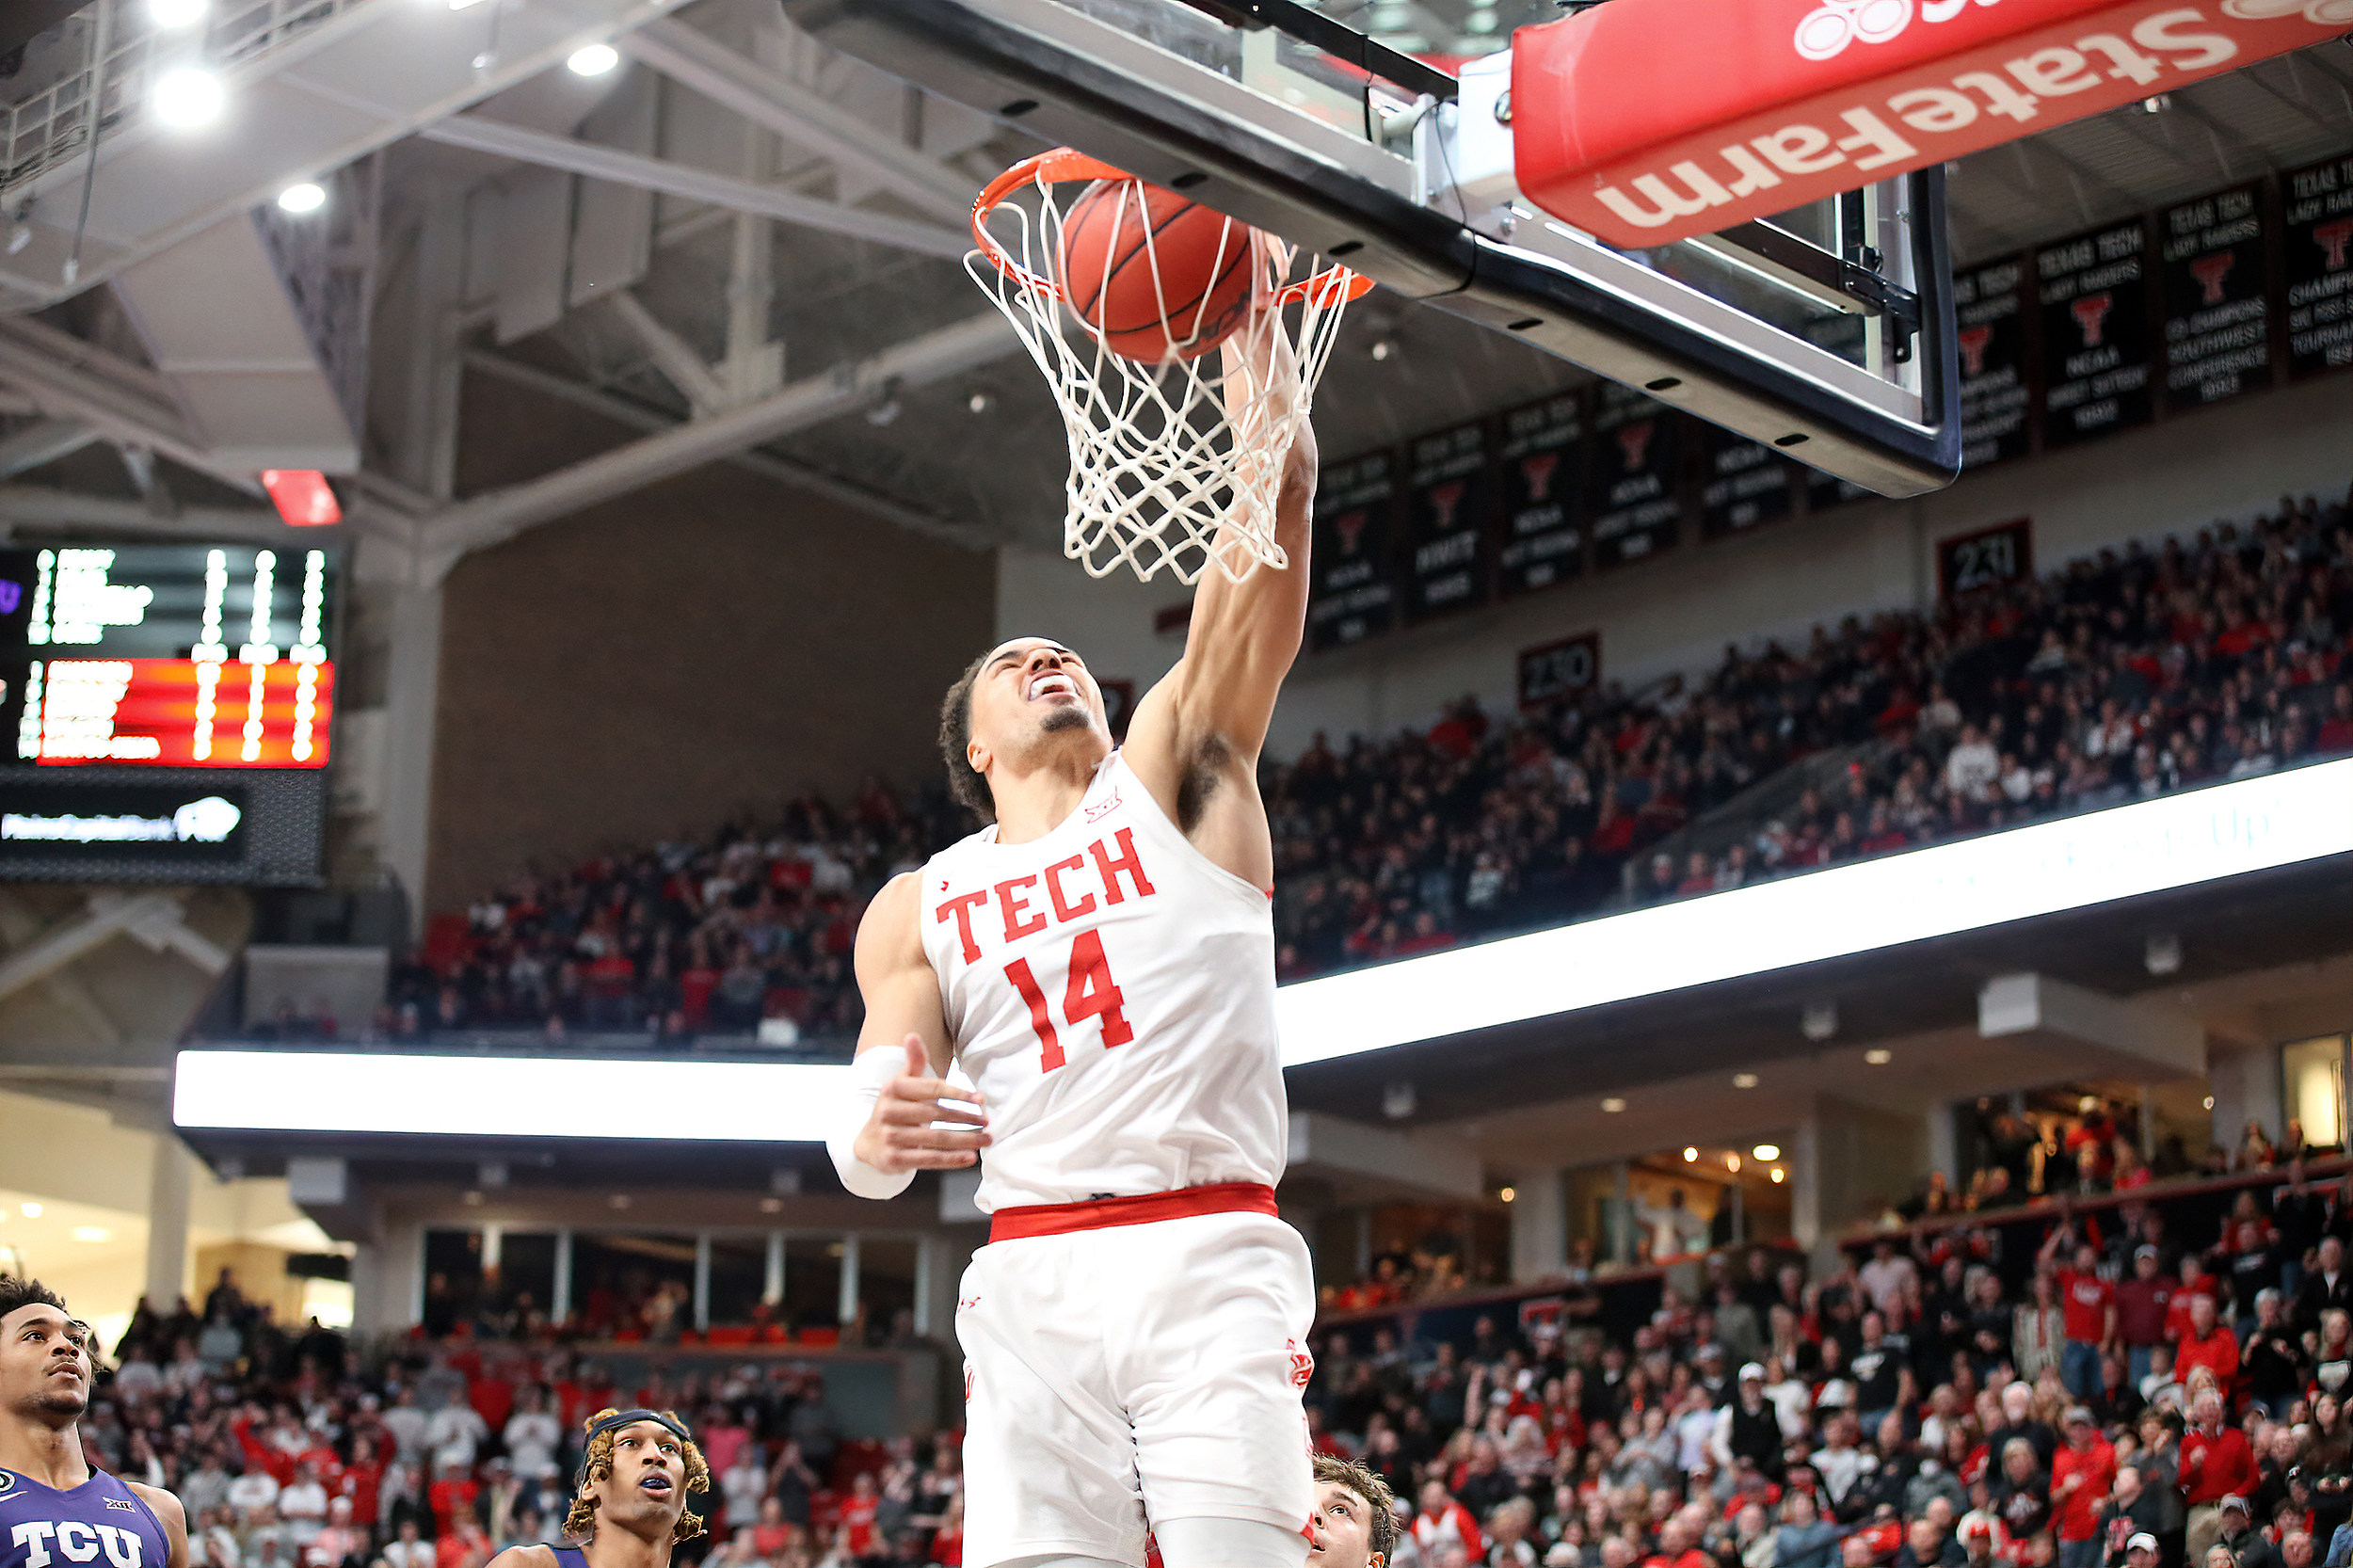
(1101, 963)
(55, 1512)
(629, 1501)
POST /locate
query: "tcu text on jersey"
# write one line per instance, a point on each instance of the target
(43, 1541)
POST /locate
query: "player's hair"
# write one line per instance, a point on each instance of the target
(964, 781)
(1381, 1522)
(596, 1465)
(16, 1293)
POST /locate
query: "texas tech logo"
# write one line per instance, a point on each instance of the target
(2210, 271)
(2091, 316)
(2335, 240)
(1444, 498)
(1973, 343)
(1349, 527)
(1537, 470)
(1634, 443)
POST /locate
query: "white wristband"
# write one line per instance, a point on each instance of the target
(869, 1073)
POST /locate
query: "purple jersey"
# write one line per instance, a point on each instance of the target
(100, 1524)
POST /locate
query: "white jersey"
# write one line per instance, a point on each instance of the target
(1110, 993)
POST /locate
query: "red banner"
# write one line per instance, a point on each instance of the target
(180, 713)
(1649, 121)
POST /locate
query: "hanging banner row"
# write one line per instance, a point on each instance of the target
(2239, 291)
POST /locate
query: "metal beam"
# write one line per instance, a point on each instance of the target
(499, 516)
(800, 115)
(696, 184)
(73, 378)
(784, 470)
(40, 506)
(672, 355)
(45, 442)
(108, 916)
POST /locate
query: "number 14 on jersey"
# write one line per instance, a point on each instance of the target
(1089, 992)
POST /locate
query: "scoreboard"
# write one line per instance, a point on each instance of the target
(171, 708)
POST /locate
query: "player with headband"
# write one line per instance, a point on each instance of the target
(1100, 963)
(56, 1507)
(629, 1500)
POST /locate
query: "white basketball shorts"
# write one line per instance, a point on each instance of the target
(1128, 1372)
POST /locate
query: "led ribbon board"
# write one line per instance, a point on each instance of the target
(2150, 846)
(1649, 121)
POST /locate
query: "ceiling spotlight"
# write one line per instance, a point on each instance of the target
(92, 1233)
(1399, 1101)
(2158, 104)
(31, 1210)
(1383, 349)
(594, 60)
(302, 197)
(884, 412)
(187, 97)
(177, 13)
(1766, 1152)
(2162, 954)
(1507, 1194)
(1879, 1056)
(1744, 1081)
(1612, 1105)
(772, 1205)
(2210, 1102)
(1689, 1155)
(1778, 1175)
(462, 5)
(980, 403)
(1731, 1163)
(1819, 1021)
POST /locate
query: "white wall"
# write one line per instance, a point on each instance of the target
(1677, 612)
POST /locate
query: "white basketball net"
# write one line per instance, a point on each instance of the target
(1172, 465)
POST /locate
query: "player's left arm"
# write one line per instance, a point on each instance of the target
(169, 1515)
(1195, 737)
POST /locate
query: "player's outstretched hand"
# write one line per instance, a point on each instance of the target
(922, 1123)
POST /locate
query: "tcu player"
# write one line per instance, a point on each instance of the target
(1100, 963)
(629, 1499)
(55, 1512)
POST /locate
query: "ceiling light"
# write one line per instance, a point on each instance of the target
(595, 61)
(473, 1200)
(1732, 1163)
(980, 403)
(1382, 349)
(1689, 1155)
(2210, 1102)
(1744, 1081)
(92, 1233)
(1879, 1056)
(2162, 954)
(1507, 1194)
(621, 1200)
(1399, 1101)
(1819, 1021)
(1612, 1105)
(32, 1210)
(462, 5)
(1766, 1152)
(302, 197)
(1777, 1174)
(772, 1205)
(2158, 104)
(187, 97)
(177, 13)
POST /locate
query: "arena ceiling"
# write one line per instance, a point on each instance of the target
(762, 264)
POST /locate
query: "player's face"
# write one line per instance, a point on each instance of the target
(646, 1490)
(1343, 1530)
(1032, 688)
(44, 1363)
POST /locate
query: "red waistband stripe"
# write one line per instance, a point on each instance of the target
(1058, 1219)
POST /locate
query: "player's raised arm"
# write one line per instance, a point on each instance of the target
(1206, 719)
(888, 1131)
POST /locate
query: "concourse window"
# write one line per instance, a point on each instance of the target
(2311, 1082)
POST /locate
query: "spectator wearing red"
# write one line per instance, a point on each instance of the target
(2143, 1303)
(2210, 1345)
(2194, 1282)
(1442, 1519)
(2082, 1473)
(2217, 1462)
(2087, 1304)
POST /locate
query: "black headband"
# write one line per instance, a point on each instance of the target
(627, 1418)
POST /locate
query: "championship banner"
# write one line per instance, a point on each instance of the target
(1447, 507)
(1649, 121)
(2319, 245)
(1636, 489)
(1996, 394)
(1542, 475)
(1743, 483)
(1350, 593)
(2218, 312)
(2094, 293)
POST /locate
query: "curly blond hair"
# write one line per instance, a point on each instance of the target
(596, 1465)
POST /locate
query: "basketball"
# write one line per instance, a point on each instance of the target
(1152, 274)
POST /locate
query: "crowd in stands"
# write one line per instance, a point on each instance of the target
(290, 1449)
(2121, 675)
(2140, 1387)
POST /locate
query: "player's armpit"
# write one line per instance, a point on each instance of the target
(169, 1515)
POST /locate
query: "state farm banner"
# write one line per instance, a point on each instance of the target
(1351, 590)
(1989, 331)
(1649, 121)
(2218, 312)
(1447, 507)
(1542, 473)
(2095, 292)
(2319, 246)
